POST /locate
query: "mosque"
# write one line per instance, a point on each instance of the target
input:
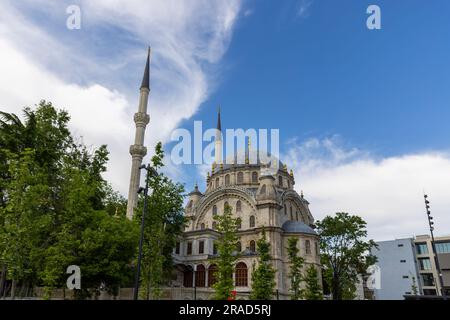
(261, 198)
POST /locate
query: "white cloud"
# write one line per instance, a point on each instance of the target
(37, 62)
(387, 193)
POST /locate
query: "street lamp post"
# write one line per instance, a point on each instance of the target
(150, 171)
(436, 259)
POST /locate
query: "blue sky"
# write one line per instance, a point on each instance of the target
(363, 114)
(326, 74)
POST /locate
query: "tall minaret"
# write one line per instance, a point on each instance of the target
(137, 150)
(218, 141)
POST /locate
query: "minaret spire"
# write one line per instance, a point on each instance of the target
(146, 78)
(137, 150)
(218, 141)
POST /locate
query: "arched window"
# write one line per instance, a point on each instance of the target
(188, 277)
(217, 182)
(253, 246)
(200, 276)
(214, 211)
(280, 181)
(252, 221)
(212, 275)
(285, 209)
(239, 223)
(290, 211)
(238, 206)
(214, 225)
(202, 226)
(225, 205)
(308, 247)
(240, 177)
(227, 180)
(289, 183)
(191, 202)
(239, 247)
(215, 249)
(255, 177)
(263, 190)
(241, 279)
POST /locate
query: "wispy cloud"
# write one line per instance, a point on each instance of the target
(387, 192)
(94, 72)
(303, 8)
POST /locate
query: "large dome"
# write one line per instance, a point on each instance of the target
(252, 158)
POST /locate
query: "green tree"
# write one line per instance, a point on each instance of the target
(296, 266)
(226, 247)
(56, 209)
(40, 141)
(26, 222)
(313, 290)
(164, 223)
(263, 276)
(345, 252)
(86, 235)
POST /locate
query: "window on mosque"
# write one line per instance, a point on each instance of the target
(255, 177)
(252, 221)
(241, 276)
(239, 206)
(308, 247)
(253, 246)
(212, 279)
(200, 276)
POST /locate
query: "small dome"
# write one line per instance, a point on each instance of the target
(297, 227)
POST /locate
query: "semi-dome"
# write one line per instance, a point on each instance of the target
(297, 227)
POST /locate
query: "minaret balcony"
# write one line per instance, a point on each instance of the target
(141, 119)
(137, 150)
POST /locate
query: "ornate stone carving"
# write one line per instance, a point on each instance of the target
(137, 150)
(141, 119)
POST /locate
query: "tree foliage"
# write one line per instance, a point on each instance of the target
(164, 223)
(56, 209)
(313, 290)
(263, 276)
(296, 266)
(226, 247)
(345, 252)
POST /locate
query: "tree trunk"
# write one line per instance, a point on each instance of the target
(13, 289)
(336, 289)
(2, 281)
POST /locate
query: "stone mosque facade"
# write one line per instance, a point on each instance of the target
(261, 198)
